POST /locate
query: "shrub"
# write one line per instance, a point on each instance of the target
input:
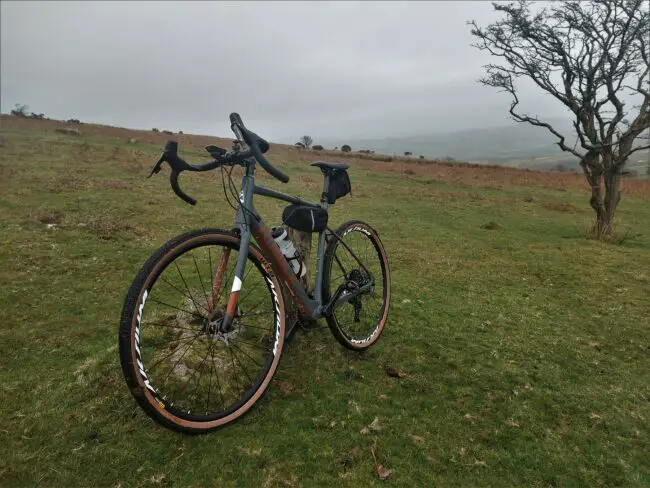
(154, 130)
(73, 121)
(346, 148)
(20, 110)
(317, 147)
(408, 153)
(421, 157)
(167, 132)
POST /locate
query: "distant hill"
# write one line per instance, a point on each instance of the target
(521, 145)
(494, 145)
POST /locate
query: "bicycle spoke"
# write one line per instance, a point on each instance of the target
(176, 308)
(178, 290)
(244, 353)
(241, 365)
(255, 327)
(233, 366)
(207, 402)
(164, 381)
(155, 324)
(196, 266)
(258, 303)
(184, 341)
(185, 283)
(250, 344)
(255, 314)
(223, 404)
(194, 373)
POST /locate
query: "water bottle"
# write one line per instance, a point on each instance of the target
(281, 237)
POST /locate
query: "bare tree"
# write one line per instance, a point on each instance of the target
(591, 56)
(305, 141)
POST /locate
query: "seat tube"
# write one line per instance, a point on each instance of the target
(320, 253)
(244, 217)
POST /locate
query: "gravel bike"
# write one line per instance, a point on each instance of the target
(204, 323)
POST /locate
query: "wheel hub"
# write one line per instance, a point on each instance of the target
(213, 327)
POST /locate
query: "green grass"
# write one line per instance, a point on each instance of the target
(525, 345)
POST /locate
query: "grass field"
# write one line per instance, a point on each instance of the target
(525, 346)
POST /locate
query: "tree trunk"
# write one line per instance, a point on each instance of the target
(599, 168)
(612, 197)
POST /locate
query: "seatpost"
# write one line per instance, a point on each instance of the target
(326, 187)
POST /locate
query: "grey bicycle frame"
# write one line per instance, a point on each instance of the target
(250, 224)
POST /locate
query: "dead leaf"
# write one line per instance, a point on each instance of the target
(394, 372)
(594, 416)
(383, 473)
(354, 404)
(374, 425)
(383, 397)
(417, 439)
(365, 431)
(471, 418)
(512, 423)
(157, 478)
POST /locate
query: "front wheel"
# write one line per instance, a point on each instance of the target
(183, 370)
(353, 260)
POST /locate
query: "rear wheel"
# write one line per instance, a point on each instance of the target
(183, 371)
(352, 261)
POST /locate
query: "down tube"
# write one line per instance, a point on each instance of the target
(308, 307)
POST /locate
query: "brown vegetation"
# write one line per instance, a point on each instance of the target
(426, 169)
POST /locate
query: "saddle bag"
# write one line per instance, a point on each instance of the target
(339, 185)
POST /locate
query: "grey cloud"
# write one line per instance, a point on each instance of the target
(365, 69)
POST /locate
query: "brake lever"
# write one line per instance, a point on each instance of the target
(157, 166)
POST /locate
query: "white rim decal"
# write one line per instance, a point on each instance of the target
(138, 357)
(277, 315)
(357, 229)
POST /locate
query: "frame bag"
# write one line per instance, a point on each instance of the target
(305, 218)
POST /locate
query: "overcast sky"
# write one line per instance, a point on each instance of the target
(330, 69)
